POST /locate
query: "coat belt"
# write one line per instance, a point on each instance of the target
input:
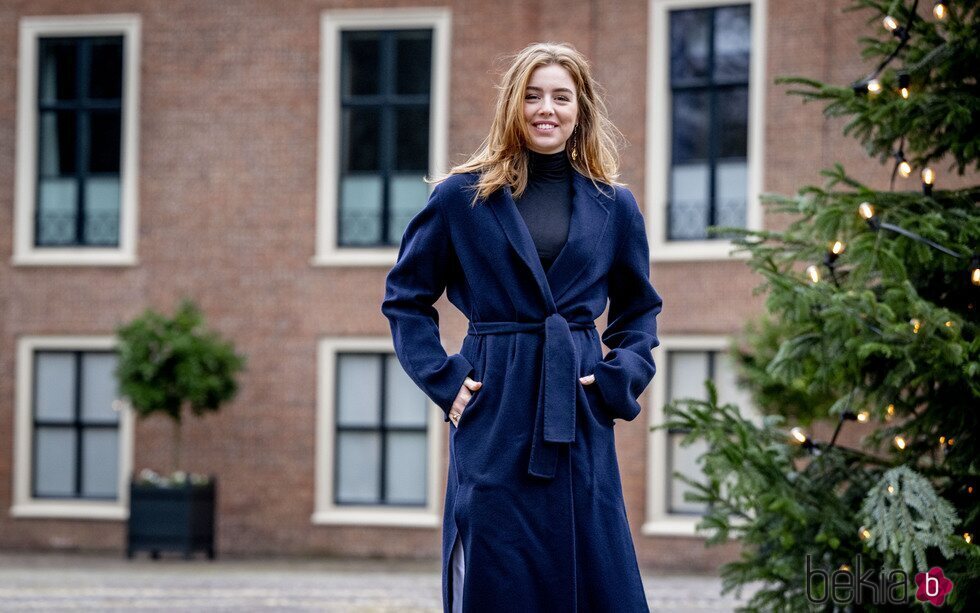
(554, 422)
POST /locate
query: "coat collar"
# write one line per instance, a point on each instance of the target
(590, 212)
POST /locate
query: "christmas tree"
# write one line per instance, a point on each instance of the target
(871, 316)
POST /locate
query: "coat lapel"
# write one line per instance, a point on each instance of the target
(586, 228)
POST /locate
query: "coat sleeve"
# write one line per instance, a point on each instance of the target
(413, 285)
(631, 333)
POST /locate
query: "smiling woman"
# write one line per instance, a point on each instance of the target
(530, 239)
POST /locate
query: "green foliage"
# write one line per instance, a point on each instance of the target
(165, 364)
(891, 323)
(908, 517)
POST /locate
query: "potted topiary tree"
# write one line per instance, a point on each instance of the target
(167, 365)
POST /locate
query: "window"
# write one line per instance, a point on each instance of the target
(73, 434)
(377, 452)
(76, 155)
(706, 124)
(685, 363)
(384, 123)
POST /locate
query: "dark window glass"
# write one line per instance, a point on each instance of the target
(75, 446)
(79, 141)
(384, 133)
(362, 63)
(709, 79)
(381, 455)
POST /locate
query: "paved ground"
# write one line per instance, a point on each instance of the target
(58, 582)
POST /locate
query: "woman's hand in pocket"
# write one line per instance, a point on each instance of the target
(587, 380)
(463, 398)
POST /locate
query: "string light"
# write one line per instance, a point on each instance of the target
(928, 180)
(889, 412)
(874, 86)
(863, 417)
(814, 273)
(863, 533)
(949, 323)
(900, 443)
(892, 25)
(844, 567)
(916, 324)
(968, 537)
(975, 270)
(891, 489)
(904, 168)
(903, 85)
(940, 10)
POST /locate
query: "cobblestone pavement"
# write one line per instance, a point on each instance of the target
(60, 582)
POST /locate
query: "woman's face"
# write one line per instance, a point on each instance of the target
(550, 108)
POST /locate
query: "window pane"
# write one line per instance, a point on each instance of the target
(57, 62)
(54, 387)
(100, 462)
(727, 382)
(57, 144)
(689, 32)
(732, 43)
(414, 61)
(683, 460)
(733, 120)
(690, 127)
(412, 146)
(105, 78)
(104, 141)
(102, 211)
(405, 403)
(408, 195)
(731, 192)
(358, 461)
(99, 387)
(360, 210)
(361, 131)
(54, 469)
(362, 63)
(688, 372)
(688, 201)
(358, 398)
(57, 211)
(405, 468)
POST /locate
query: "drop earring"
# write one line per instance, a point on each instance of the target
(575, 143)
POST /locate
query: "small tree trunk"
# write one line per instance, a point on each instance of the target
(176, 447)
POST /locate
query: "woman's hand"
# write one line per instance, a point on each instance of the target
(463, 398)
(587, 379)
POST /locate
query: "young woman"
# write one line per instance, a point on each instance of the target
(530, 237)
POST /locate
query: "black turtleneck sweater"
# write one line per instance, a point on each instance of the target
(546, 204)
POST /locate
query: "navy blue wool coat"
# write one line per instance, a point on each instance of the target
(533, 488)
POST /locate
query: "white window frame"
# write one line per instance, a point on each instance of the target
(326, 511)
(658, 521)
(332, 23)
(24, 505)
(25, 178)
(659, 132)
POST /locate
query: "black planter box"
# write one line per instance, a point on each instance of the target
(174, 518)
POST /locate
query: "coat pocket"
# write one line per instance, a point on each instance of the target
(596, 405)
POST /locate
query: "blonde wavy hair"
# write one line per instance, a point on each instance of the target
(502, 158)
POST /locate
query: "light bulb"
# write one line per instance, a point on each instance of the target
(904, 169)
(837, 248)
(942, 441)
(916, 324)
(874, 86)
(975, 275)
(889, 412)
(928, 176)
(797, 433)
(967, 537)
(891, 24)
(939, 10)
(891, 490)
(814, 273)
(949, 324)
(866, 210)
(900, 442)
(904, 81)
(863, 416)
(863, 533)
